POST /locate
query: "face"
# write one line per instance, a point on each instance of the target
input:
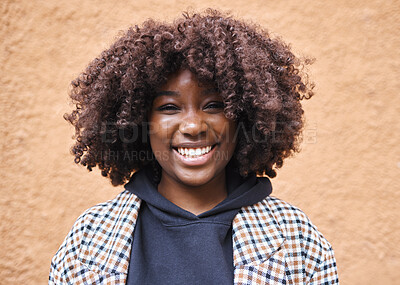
(189, 134)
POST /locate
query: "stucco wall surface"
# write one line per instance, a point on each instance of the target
(346, 178)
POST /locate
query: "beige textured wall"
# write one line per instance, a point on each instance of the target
(346, 178)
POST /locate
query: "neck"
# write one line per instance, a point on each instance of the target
(195, 199)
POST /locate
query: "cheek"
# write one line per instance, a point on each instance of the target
(233, 138)
(226, 131)
(156, 137)
(160, 133)
(154, 132)
(158, 147)
(230, 132)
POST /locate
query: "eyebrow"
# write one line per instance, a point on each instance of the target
(176, 93)
(167, 93)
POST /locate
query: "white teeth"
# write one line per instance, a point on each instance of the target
(193, 152)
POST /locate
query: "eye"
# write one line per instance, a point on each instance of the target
(167, 107)
(215, 105)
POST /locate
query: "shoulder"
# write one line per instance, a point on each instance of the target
(98, 228)
(307, 250)
(290, 222)
(275, 236)
(295, 222)
(99, 216)
(110, 209)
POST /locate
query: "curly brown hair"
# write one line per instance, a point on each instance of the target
(260, 80)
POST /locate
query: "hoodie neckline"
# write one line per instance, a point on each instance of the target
(242, 191)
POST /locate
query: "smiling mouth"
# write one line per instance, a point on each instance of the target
(194, 152)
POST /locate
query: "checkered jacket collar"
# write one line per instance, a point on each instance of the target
(273, 243)
(256, 235)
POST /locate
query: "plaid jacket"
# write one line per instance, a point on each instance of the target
(273, 243)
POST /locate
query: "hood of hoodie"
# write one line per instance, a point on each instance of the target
(242, 191)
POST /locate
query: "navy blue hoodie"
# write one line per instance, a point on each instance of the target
(174, 246)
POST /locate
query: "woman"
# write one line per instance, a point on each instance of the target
(189, 114)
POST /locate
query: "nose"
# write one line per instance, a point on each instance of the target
(193, 125)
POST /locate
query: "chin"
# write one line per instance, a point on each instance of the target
(195, 177)
(194, 180)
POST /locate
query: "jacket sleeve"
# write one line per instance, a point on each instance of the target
(97, 249)
(326, 273)
(64, 263)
